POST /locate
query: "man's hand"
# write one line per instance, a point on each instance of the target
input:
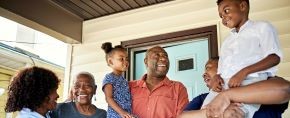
(237, 79)
(234, 111)
(217, 83)
(216, 108)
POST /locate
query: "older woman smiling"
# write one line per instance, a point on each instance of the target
(82, 92)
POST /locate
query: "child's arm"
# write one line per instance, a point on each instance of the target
(268, 62)
(108, 90)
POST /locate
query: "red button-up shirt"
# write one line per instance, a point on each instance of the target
(166, 100)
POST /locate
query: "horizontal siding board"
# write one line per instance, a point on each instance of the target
(159, 24)
(154, 12)
(88, 59)
(285, 40)
(260, 5)
(286, 55)
(272, 14)
(282, 26)
(93, 47)
(91, 67)
(283, 69)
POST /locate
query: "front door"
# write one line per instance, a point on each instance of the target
(187, 60)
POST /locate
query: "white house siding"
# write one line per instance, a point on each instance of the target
(165, 18)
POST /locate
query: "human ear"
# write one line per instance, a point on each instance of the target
(145, 61)
(243, 6)
(110, 62)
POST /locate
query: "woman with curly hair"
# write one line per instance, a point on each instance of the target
(32, 92)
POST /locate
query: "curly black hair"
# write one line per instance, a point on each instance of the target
(30, 88)
(109, 49)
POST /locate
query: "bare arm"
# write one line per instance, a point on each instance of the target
(273, 91)
(193, 114)
(108, 90)
(266, 63)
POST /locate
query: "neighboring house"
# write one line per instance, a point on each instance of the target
(13, 59)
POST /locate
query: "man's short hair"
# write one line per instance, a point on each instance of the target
(247, 1)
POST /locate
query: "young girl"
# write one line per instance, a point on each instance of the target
(115, 86)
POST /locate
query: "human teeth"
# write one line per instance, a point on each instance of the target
(80, 96)
(162, 65)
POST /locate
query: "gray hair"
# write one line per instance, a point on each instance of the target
(87, 75)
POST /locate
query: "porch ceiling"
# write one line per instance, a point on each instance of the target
(90, 9)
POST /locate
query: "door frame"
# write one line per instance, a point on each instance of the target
(210, 32)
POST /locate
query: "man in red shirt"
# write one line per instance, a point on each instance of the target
(155, 96)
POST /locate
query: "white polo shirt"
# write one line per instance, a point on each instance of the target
(254, 42)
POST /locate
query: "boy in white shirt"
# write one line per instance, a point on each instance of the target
(248, 55)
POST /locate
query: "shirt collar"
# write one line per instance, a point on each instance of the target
(142, 82)
(27, 111)
(246, 24)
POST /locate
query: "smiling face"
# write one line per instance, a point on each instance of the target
(234, 13)
(157, 62)
(84, 89)
(210, 71)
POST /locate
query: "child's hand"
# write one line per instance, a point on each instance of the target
(126, 115)
(237, 79)
(217, 83)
